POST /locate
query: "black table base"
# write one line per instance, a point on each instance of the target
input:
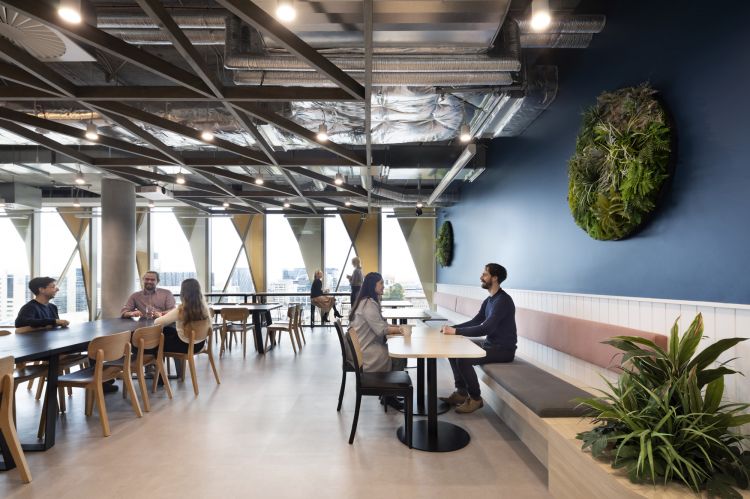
(448, 437)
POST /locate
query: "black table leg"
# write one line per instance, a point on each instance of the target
(433, 435)
(419, 406)
(51, 401)
(257, 326)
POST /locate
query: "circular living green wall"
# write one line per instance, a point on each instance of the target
(621, 163)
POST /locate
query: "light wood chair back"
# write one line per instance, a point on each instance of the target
(7, 426)
(356, 345)
(196, 336)
(150, 335)
(148, 338)
(235, 314)
(4, 332)
(111, 346)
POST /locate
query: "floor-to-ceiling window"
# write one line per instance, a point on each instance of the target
(60, 260)
(338, 253)
(14, 265)
(230, 272)
(399, 273)
(170, 251)
(285, 268)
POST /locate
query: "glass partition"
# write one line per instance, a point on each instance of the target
(338, 253)
(230, 272)
(285, 268)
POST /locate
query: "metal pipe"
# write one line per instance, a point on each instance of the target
(382, 63)
(302, 78)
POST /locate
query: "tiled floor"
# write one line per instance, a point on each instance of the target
(269, 430)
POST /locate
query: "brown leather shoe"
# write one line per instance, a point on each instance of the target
(455, 398)
(470, 405)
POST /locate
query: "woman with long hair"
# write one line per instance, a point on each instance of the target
(321, 300)
(372, 328)
(191, 314)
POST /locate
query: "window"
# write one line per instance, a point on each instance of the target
(285, 268)
(170, 251)
(14, 266)
(338, 254)
(230, 272)
(399, 273)
(60, 260)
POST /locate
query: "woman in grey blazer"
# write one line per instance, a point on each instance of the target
(372, 328)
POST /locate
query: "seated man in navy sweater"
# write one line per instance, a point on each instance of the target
(496, 321)
(39, 312)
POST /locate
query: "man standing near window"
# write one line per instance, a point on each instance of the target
(151, 302)
(39, 312)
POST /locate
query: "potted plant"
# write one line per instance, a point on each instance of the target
(664, 419)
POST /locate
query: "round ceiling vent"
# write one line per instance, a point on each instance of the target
(39, 40)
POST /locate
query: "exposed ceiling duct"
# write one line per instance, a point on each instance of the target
(308, 79)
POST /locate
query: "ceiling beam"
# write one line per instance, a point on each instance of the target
(300, 131)
(78, 133)
(90, 35)
(186, 131)
(250, 180)
(36, 90)
(46, 142)
(328, 180)
(168, 179)
(262, 21)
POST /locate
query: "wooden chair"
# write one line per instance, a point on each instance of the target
(234, 320)
(289, 327)
(189, 357)
(300, 331)
(104, 349)
(148, 338)
(7, 427)
(383, 384)
(347, 363)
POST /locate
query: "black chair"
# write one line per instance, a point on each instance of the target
(381, 384)
(347, 364)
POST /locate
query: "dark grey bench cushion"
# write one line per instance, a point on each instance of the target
(543, 393)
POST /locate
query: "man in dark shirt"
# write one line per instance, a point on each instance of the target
(39, 312)
(496, 321)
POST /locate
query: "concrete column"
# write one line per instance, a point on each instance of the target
(118, 245)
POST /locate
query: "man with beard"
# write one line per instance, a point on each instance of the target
(151, 302)
(496, 321)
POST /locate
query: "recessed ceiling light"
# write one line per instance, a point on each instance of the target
(259, 181)
(338, 179)
(464, 133)
(91, 132)
(540, 16)
(322, 135)
(70, 11)
(207, 135)
(180, 179)
(285, 11)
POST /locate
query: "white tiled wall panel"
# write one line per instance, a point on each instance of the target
(721, 320)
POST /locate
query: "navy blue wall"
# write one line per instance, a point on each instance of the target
(698, 245)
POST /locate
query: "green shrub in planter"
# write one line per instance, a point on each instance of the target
(664, 419)
(444, 245)
(621, 162)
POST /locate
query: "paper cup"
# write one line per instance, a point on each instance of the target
(406, 330)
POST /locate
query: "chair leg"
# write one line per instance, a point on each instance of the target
(356, 418)
(89, 402)
(341, 392)
(213, 366)
(127, 381)
(102, 408)
(182, 369)
(193, 377)
(291, 340)
(144, 390)
(61, 400)
(8, 430)
(244, 343)
(40, 387)
(164, 378)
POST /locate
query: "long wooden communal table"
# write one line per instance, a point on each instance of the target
(258, 310)
(49, 345)
(429, 343)
(395, 304)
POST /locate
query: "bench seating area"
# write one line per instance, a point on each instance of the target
(530, 399)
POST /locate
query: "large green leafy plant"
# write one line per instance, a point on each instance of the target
(444, 244)
(665, 418)
(621, 162)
